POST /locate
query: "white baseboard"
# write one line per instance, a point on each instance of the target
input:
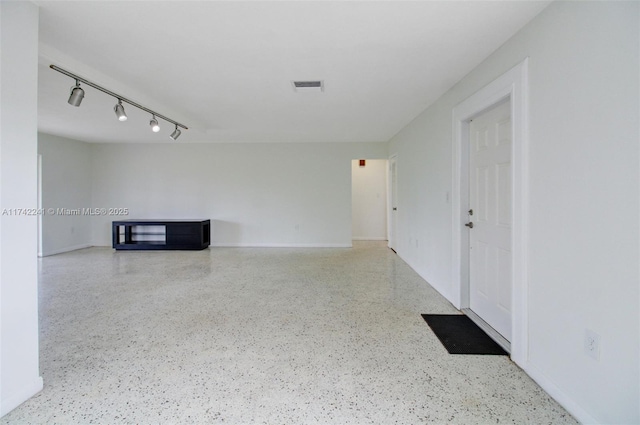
(260, 245)
(7, 405)
(538, 376)
(63, 250)
(277, 245)
(558, 395)
(366, 238)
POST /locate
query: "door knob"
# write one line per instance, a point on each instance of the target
(469, 225)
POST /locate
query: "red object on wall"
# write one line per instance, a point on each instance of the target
(362, 162)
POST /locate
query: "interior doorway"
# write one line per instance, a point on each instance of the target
(511, 87)
(393, 202)
(369, 199)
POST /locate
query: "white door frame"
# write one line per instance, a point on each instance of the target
(40, 205)
(392, 193)
(514, 85)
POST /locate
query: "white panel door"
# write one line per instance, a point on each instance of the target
(490, 186)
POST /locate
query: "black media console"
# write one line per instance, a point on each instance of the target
(161, 234)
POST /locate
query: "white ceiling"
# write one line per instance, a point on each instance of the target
(224, 68)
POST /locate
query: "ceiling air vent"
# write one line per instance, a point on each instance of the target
(308, 86)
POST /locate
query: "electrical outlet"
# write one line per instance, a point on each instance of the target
(592, 344)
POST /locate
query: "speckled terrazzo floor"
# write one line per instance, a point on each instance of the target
(259, 336)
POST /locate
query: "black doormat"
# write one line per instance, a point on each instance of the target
(460, 335)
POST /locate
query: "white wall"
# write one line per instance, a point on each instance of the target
(584, 199)
(19, 371)
(271, 194)
(369, 200)
(66, 184)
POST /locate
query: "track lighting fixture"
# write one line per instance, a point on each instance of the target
(176, 133)
(77, 94)
(155, 127)
(122, 116)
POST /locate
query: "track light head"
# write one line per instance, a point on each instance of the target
(155, 127)
(76, 95)
(176, 133)
(119, 109)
